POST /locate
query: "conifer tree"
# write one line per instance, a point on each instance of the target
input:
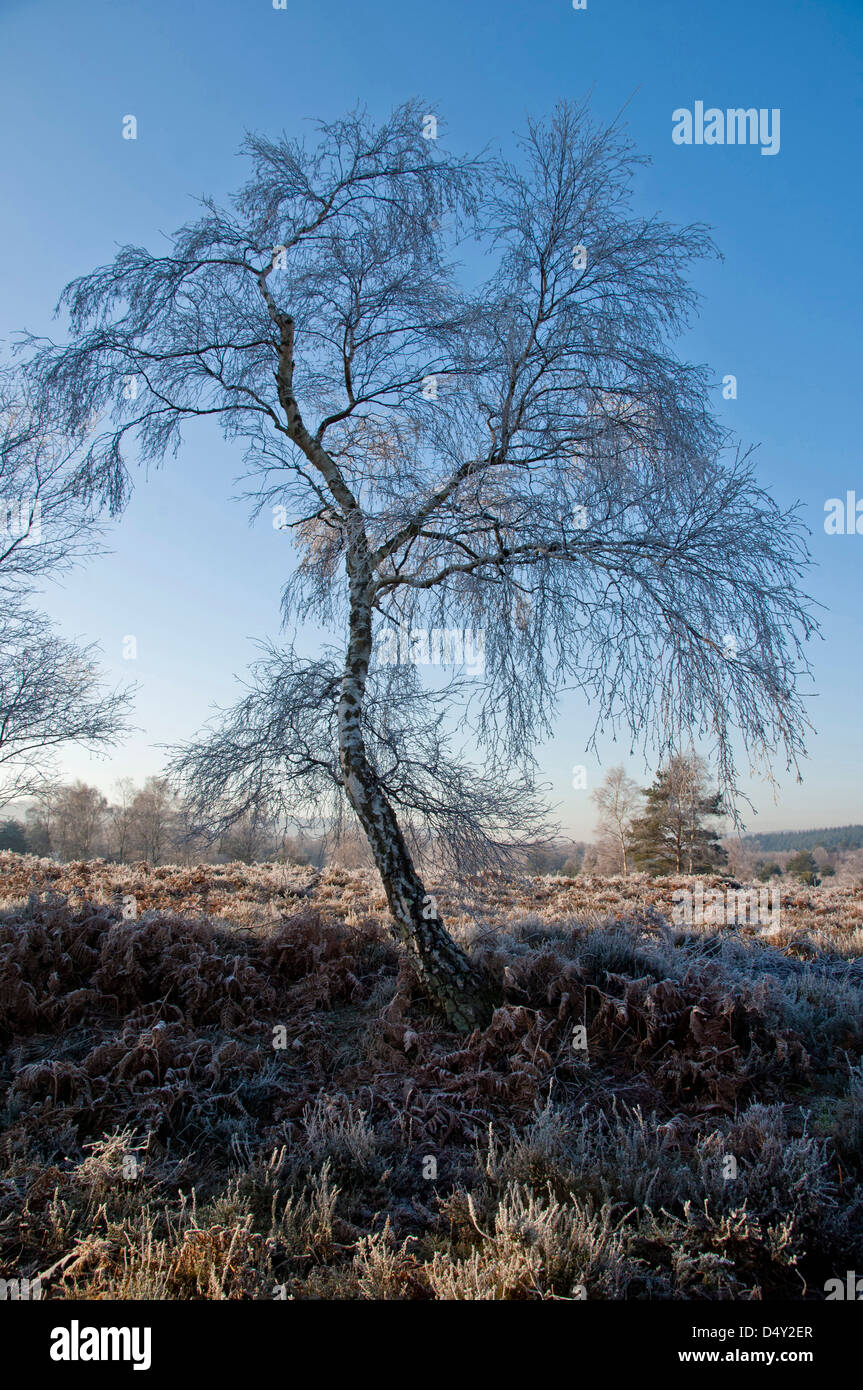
(804, 866)
(671, 837)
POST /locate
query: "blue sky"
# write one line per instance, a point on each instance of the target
(187, 576)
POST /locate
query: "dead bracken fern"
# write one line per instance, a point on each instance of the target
(239, 1092)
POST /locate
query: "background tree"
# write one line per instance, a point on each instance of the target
(251, 839)
(526, 459)
(68, 820)
(298, 849)
(79, 812)
(838, 838)
(153, 817)
(561, 856)
(13, 836)
(349, 850)
(50, 689)
(121, 820)
(618, 800)
(38, 823)
(803, 866)
(50, 695)
(574, 863)
(672, 836)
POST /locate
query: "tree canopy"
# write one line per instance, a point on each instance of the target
(517, 451)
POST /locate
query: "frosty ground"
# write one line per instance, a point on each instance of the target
(240, 1092)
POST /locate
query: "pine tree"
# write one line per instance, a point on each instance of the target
(671, 837)
(803, 866)
(13, 836)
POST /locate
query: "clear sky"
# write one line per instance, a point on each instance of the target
(187, 576)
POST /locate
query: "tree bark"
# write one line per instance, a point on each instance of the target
(461, 991)
(622, 838)
(457, 987)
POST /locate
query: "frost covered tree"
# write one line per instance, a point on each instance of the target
(618, 800)
(504, 447)
(675, 834)
(51, 690)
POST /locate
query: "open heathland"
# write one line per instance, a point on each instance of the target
(224, 1082)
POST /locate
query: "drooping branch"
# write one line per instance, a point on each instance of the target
(275, 754)
(527, 460)
(51, 695)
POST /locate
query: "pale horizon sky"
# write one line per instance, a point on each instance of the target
(185, 574)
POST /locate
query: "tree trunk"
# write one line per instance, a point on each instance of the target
(622, 838)
(457, 987)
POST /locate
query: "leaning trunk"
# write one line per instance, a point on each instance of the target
(456, 986)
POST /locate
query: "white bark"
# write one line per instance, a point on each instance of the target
(456, 986)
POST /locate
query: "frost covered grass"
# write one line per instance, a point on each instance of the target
(240, 1092)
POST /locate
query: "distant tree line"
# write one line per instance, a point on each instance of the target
(77, 821)
(670, 827)
(837, 838)
(148, 822)
(803, 866)
(662, 829)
